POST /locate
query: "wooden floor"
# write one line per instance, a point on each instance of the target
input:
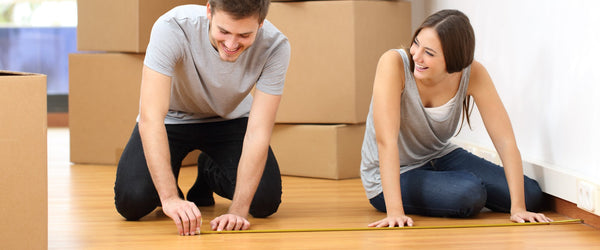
(82, 216)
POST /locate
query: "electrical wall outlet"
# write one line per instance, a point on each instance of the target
(586, 195)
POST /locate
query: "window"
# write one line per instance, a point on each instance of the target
(37, 36)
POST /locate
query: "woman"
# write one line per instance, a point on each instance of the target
(408, 164)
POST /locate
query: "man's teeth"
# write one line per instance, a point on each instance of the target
(230, 50)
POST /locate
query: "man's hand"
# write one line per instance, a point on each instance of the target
(185, 214)
(229, 222)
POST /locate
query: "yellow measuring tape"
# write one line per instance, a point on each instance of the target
(390, 228)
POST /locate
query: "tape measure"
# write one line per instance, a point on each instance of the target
(391, 228)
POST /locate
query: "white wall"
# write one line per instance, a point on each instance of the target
(544, 57)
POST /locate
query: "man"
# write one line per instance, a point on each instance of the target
(200, 66)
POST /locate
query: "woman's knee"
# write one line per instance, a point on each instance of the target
(534, 197)
(378, 202)
(444, 194)
(471, 202)
(469, 196)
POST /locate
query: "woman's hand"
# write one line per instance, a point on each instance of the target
(393, 221)
(524, 216)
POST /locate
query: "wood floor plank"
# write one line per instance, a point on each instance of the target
(82, 216)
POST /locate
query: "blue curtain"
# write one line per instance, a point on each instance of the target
(39, 50)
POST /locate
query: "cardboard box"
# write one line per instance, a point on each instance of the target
(104, 94)
(120, 25)
(335, 49)
(321, 151)
(23, 159)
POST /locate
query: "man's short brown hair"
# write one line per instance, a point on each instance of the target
(241, 8)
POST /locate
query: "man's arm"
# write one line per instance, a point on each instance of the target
(252, 161)
(154, 105)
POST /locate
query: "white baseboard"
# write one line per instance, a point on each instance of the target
(552, 181)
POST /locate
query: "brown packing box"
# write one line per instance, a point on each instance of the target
(104, 92)
(23, 159)
(335, 49)
(120, 25)
(321, 151)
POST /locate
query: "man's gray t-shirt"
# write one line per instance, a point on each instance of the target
(203, 87)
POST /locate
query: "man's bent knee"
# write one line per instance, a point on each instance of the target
(264, 208)
(133, 205)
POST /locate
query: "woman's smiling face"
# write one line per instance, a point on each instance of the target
(426, 51)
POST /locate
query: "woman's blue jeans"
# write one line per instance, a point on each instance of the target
(459, 184)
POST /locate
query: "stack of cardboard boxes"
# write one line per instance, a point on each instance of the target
(320, 122)
(335, 49)
(104, 86)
